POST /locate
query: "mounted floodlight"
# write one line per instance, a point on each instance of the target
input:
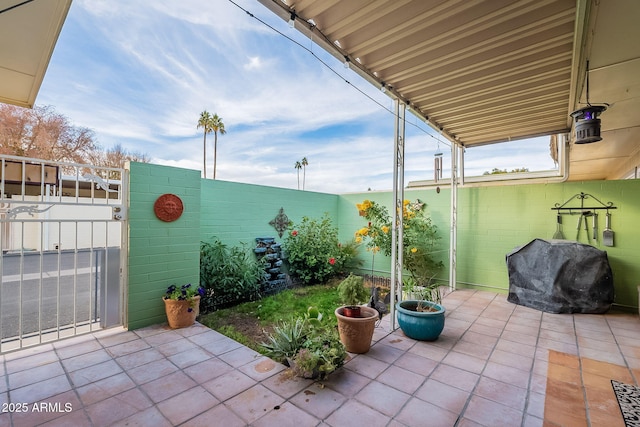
(587, 124)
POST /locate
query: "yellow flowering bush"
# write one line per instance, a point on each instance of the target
(420, 237)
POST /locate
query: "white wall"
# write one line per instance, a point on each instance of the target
(83, 223)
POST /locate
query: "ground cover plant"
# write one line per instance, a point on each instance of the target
(250, 323)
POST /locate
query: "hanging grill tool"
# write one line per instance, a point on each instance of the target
(586, 212)
(558, 234)
(607, 234)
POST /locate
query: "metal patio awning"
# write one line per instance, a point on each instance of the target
(487, 71)
(28, 34)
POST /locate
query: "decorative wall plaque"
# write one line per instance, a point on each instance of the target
(168, 207)
(280, 222)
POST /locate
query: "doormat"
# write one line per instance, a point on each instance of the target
(629, 401)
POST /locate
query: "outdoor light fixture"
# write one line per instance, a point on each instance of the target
(292, 20)
(587, 123)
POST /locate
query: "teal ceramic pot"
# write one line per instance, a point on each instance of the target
(422, 326)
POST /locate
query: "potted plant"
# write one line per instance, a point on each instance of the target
(356, 330)
(182, 305)
(308, 346)
(419, 243)
(422, 317)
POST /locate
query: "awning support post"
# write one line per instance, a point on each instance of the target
(398, 197)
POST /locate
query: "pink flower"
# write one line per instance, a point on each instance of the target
(294, 233)
(332, 260)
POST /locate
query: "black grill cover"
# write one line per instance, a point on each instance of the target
(560, 276)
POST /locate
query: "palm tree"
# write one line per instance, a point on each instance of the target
(216, 126)
(304, 171)
(298, 166)
(205, 123)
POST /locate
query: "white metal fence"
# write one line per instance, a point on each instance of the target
(61, 228)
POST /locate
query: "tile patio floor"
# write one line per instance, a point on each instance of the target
(496, 364)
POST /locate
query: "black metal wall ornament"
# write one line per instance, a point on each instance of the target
(281, 222)
(582, 208)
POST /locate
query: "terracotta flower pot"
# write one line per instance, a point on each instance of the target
(351, 311)
(356, 333)
(178, 314)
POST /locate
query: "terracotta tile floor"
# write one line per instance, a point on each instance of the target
(496, 364)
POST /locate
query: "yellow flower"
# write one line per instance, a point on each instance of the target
(414, 250)
(405, 202)
(385, 229)
(364, 206)
(363, 231)
(358, 239)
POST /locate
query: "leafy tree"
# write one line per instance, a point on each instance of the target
(117, 156)
(497, 171)
(43, 133)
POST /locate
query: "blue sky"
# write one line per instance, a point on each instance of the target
(140, 72)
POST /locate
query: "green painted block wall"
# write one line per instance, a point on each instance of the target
(238, 213)
(160, 253)
(493, 221)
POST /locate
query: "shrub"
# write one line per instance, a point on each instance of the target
(228, 274)
(420, 238)
(314, 252)
(352, 291)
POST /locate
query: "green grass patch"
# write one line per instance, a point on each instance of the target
(247, 322)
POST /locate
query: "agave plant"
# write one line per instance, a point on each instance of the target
(287, 338)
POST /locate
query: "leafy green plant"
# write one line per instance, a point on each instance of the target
(430, 292)
(228, 274)
(287, 339)
(352, 291)
(314, 252)
(420, 238)
(184, 293)
(311, 347)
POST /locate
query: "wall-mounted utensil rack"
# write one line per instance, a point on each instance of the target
(582, 209)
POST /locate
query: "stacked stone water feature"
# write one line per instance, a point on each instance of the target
(275, 280)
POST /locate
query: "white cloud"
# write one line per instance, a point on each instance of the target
(139, 74)
(254, 62)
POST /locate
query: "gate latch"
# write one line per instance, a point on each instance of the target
(119, 213)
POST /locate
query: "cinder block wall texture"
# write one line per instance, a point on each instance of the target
(492, 221)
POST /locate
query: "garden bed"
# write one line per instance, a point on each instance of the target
(248, 323)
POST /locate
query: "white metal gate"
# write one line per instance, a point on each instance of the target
(61, 236)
